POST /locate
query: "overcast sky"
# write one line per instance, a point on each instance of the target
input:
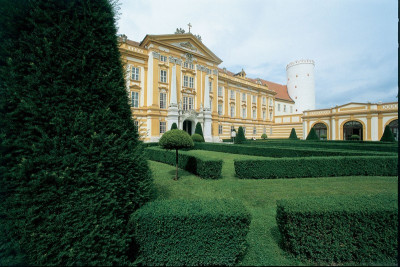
(353, 42)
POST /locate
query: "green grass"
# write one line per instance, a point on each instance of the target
(259, 196)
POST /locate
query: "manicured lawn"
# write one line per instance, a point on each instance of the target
(259, 196)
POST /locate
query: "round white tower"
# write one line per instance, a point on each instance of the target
(301, 84)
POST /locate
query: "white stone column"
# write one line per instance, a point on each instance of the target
(207, 112)
(173, 112)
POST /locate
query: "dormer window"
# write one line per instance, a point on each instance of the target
(241, 74)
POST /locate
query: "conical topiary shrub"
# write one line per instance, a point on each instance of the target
(174, 126)
(72, 169)
(293, 135)
(388, 135)
(240, 138)
(312, 135)
(199, 130)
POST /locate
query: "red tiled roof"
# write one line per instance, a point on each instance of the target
(130, 42)
(280, 89)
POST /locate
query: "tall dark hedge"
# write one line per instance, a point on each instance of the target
(312, 135)
(293, 134)
(72, 170)
(240, 138)
(387, 135)
(199, 130)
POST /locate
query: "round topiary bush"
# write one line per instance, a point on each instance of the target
(176, 139)
(264, 136)
(197, 138)
(354, 137)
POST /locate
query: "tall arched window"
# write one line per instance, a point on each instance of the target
(321, 130)
(394, 126)
(352, 128)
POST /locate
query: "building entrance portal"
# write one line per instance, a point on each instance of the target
(187, 127)
(352, 128)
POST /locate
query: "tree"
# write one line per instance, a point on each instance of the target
(72, 168)
(240, 138)
(293, 135)
(387, 135)
(174, 126)
(312, 135)
(176, 139)
(264, 136)
(198, 130)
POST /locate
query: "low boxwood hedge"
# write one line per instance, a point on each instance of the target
(277, 152)
(338, 229)
(316, 167)
(190, 232)
(201, 166)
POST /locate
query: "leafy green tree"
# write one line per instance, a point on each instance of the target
(174, 126)
(176, 139)
(240, 138)
(199, 130)
(293, 134)
(387, 135)
(264, 136)
(72, 169)
(312, 135)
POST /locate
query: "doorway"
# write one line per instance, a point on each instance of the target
(187, 126)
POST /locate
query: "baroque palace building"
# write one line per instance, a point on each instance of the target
(175, 78)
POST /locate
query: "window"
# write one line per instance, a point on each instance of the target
(270, 101)
(232, 128)
(185, 81)
(210, 104)
(163, 100)
(279, 107)
(291, 109)
(232, 111)
(264, 100)
(244, 130)
(264, 115)
(220, 129)
(232, 94)
(219, 90)
(163, 58)
(163, 76)
(210, 86)
(244, 113)
(254, 130)
(162, 127)
(270, 116)
(254, 99)
(264, 130)
(135, 73)
(284, 108)
(188, 65)
(187, 103)
(219, 109)
(191, 82)
(135, 99)
(254, 114)
(243, 97)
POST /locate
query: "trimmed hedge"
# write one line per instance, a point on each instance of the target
(203, 167)
(276, 152)
(316, 167)
(190, 233)
(339, 229)
(330, 144)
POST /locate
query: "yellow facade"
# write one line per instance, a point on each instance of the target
(170, 78)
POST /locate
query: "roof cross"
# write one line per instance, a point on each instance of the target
(190, 25)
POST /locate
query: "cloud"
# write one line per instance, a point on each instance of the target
(354, 43)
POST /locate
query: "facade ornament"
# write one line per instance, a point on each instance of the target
(215, 72)
(179, 31)
(189, 58)
(156, 55)
(188, 45)
(198, 37)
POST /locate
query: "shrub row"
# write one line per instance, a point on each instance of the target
(347, 145)
(336, 229)
(316, 167)
(201, 166)
(190, 232)
(275, 152)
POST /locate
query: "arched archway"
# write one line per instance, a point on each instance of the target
(321, 129)
(353, 128)
(394, 127)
